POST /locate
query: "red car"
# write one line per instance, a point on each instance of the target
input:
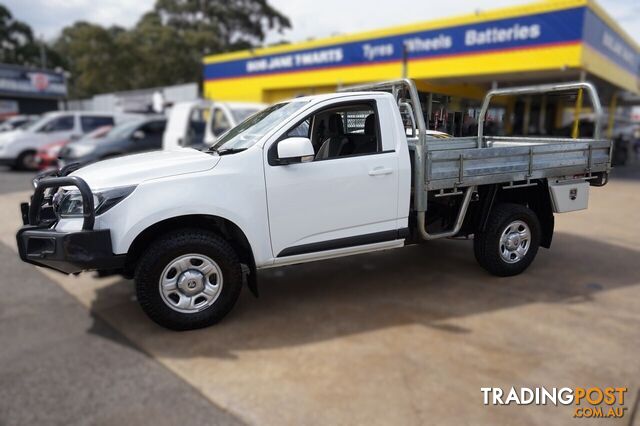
(47, 156)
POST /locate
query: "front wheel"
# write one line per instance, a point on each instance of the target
(26, 161)
(510, 241)
(188, 279)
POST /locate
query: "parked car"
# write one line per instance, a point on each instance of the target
(18, 147)
(198, 124)
(143, 134)
(47, 156)
(17, 121)
(190, 226)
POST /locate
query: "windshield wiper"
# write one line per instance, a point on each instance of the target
(226, 151)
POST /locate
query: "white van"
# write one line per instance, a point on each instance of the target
(18, 147)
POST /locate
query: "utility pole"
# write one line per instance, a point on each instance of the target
(405, 61)
(43, 53)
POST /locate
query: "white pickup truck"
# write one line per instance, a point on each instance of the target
(198, 124)
(309, 179)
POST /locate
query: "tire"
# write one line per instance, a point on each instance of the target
(26, 161)
(503, 248)
(186, 305)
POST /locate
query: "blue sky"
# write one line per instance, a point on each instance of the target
(310, 18)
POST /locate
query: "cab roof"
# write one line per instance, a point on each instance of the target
(336, 95)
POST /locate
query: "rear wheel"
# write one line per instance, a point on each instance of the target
(188, 279)
(510, 241)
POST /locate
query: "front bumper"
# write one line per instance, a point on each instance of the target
(68, 252)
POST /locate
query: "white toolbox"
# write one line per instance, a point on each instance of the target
(569, 195)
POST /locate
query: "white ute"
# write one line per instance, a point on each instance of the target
(309, 179)
(199, 123)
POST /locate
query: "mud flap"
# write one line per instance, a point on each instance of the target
(252, 282)
(250, 274)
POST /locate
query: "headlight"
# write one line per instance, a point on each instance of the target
(69, 204)
(81, 149)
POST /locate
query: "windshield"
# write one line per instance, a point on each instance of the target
(241, 114)
(28, 122)
(39, 123)
(245, 134)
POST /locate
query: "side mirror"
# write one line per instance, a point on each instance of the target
(295, 150)
(138, 134)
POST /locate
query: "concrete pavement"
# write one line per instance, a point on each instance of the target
(61, 364)
(12, 181)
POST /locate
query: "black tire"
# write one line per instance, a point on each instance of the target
(487, 245)
(25, 161)
(171, 246)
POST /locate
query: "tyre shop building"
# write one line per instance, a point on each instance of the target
(454, 62)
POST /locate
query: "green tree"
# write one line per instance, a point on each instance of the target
(93, 58)
(19, 46)
(14, 37)
(221, 25)
(158, 54)
(166, 45)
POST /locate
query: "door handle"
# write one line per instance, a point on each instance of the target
(379, 171)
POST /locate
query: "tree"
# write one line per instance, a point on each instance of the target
(93, 57)
(159, 54)
(19, 46)
(166, 45)
(14, 36)
(221, 25)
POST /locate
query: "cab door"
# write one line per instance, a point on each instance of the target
(342, 199)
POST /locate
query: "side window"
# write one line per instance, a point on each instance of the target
(301, 130)
(91, 122)
(157, 127)
(150, 134)
(59, 124)
(345, 131)
(153, 129)
(196, 129)
(219, 123)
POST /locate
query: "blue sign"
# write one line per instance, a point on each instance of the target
(22, 81)
(551, 28)
(601, 37)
